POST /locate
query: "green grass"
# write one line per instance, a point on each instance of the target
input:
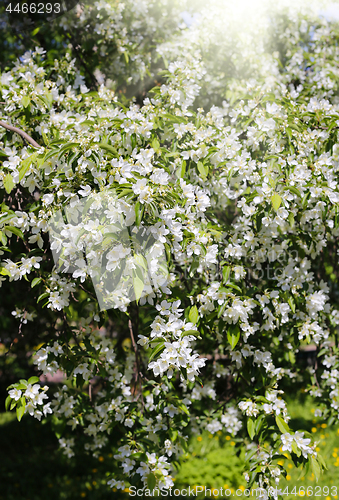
(213, 463)
(327, 439)
(32, 468)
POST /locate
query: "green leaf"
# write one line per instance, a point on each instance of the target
(183, 407)
(181, 171)
(261, 399)
(258, 220)
(322, 352)
(4, 271)
(222, 309)
(291, 304)
(138, 286)
(259, 423)
(8, 402)
(156, 145)
(304, 471)
(283, 427)
(226, 274)
(33, 380)
(47, 100)
(6, 217)
(51, 153)
(160, 347)
(67, 147)
(321, 461)
(42, 296)
(295, 449)
(26, 101)
(291, 357)
(15, 231)
(151, 481)
(35, 282)
(190, 332)
(139, 212)
(291, 220)
(173, 434)
(203, 170)
(193, 315)
(294, 190)
(124, 192)
(232, 285)
(251, 427)
(20, 410)
(108, 148)
(142, 264)
(25, 164)
(233, 335)
(305, 199)
(8, 183)
(276, 201)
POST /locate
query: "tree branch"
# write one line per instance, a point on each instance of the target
(23, 134)
(135, 348)
(138, 374)
(19, 333)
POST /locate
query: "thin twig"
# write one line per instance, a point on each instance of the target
(19, 333)
(87, 291)
(76, 300)
(138, 374)
(132, 337)
(23, 134)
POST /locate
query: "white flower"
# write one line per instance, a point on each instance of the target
(214, 426)
(47, 409)
(303, 444)
(85, 190)
(128, 465)
(15, 394)
(249, 408)
(143, 340)
(83, 369)
(315, 302)
(129, 422)
(32, 391)
(287, 440)
(48, 199)
(159, 176)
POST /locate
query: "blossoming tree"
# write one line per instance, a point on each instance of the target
(232, 165)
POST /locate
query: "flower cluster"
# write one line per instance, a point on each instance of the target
(28, 397)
